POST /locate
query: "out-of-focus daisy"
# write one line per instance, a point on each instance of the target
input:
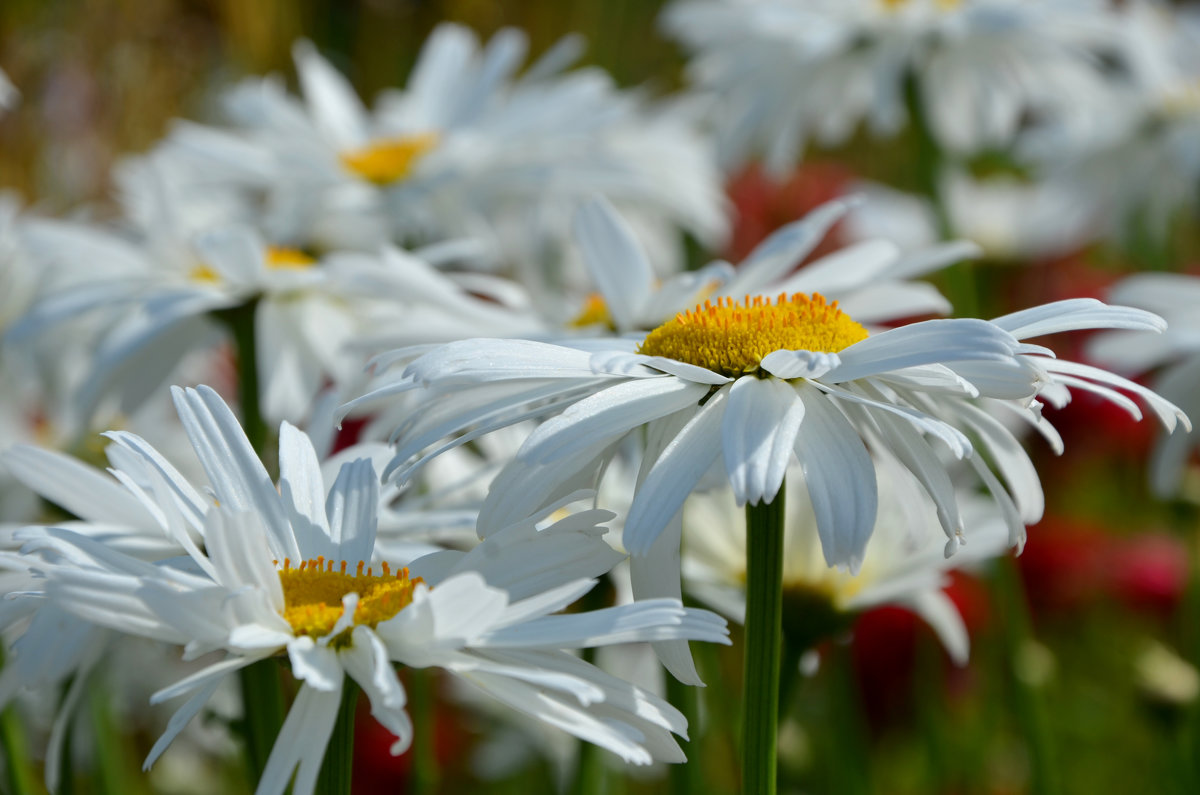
(468, 147)
(290, 572)
(1137, 161)
(156, 298)
(1175, 355)
(1012, 219)
(786, 72)
(903, 564)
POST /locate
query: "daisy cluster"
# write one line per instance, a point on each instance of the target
(440, 381)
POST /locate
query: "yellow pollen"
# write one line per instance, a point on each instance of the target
(283, 257)
(391, 159)
(732, 337)
(312, 595)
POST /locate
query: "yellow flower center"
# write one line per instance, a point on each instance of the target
(594, 313)
(732, 337)
(280, 257)
(312, 595)
(204, 273)
(391, 159)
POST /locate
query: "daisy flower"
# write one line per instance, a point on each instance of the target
(750, 384)
(155, 298)
(290, 572)
(782, 73)
(1175, 356)
(467, 147)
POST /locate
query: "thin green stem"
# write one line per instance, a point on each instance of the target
(687, 777)
(18, 768)
(19, 777)
(1028, 702)
(262, 702)
(425, 771)
(338, 766)
(240, 321)
(764, 640)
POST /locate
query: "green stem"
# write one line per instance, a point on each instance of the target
(240, 321)
(1028, 703)
(19, 777)
(425, 765)
(338, 766)
(686, 777)
(112, 758)
(262, 702)
(764, 633)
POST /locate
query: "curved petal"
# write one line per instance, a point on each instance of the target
(757, 436)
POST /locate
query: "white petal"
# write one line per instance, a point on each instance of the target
(676, 472)
(840, 478)
(608, 415)
(615, 260)
(799, 364)
(757, 436)
(303, 492)
(302, 741)
(352, 507)
(928, 342)
(314, 664)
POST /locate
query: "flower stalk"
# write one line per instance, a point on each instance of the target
(764, 644)
(337, 768)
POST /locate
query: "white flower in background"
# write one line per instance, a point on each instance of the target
(468, 147)
(289, 570)
(903, 563)
(1174, 357)
(155, 298)
(1137, 160)
(1012, 219)
(783, 73)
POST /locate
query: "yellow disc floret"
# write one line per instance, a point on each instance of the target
(732, 337)
(312, 595)
(280, 257)
(391, 159)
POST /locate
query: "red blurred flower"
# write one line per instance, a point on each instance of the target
(763, 204)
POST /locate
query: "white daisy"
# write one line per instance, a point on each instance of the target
(786, 72)
(1012, 219)
(282, 572)
(1136, 160)
(155, 299)
(1175, 356)
(468, 147)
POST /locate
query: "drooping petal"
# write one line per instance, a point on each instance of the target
(757, 435)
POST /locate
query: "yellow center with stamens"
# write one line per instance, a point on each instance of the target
(391, 159)
(732, 337)
(312, 595)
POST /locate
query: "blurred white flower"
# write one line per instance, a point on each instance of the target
(903, 563)
(1174, 356)
(467, 148)
(10, 97)
(782, 73)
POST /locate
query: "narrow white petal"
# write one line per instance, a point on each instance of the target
(352, 508)
(840, 478)
(927, 342)
(615, 260)
(301, 742)
(303, 491)
(757, 435)
(314, 664)
(676, 472)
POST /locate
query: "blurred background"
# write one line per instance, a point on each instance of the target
(1083, 673)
